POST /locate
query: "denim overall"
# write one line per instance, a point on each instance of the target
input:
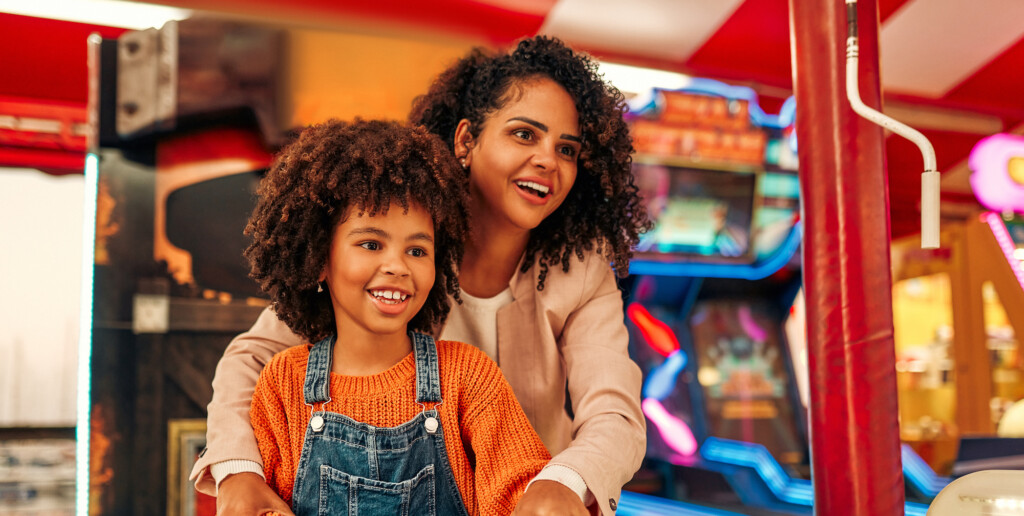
(353, 468)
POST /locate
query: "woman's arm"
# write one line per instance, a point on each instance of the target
(608, 431)
(229, 434)
(508, 451)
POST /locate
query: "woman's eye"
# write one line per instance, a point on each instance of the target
(569, 151)
(370, 246)
(523, 134)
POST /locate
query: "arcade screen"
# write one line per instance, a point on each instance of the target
(746, 383)
(698, 214)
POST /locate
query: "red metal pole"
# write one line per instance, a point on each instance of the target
(855, 448)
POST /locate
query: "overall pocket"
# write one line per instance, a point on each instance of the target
(341, 493)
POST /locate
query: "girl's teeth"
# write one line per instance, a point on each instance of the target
(389, 295)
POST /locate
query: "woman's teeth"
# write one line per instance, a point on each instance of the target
(390, 297)
(539, 189)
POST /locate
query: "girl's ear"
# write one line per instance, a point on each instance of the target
(464, 143)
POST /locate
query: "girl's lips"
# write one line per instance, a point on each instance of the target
(389, 308)
(530, 196)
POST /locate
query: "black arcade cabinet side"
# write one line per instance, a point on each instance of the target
(171, 287)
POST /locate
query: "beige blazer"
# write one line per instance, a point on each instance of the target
(568, 337)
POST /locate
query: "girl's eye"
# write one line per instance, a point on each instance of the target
(370, 246)
(418, 252)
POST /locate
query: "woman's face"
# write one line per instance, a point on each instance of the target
(523, 163)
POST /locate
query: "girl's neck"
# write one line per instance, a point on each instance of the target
(492, 254)
(358, 352)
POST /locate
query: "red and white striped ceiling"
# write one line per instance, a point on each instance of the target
(952, 68)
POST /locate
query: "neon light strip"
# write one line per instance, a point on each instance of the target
(657, 334)
(758, 270)
(674, 431)
(662, 379)
(85, 336)
(636, 504)
(1005, 243)
(750, 325)
(783, 120)
(797, 491)
(920, 474)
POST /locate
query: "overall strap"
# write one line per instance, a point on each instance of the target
(318, 371)
(428, 380)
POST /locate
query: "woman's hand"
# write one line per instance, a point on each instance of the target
(547, 497)
(247, 494)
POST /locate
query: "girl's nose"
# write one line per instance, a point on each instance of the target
(394, 264)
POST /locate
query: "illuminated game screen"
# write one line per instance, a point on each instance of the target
(742, 369)
(698, 214)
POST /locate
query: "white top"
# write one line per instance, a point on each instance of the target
(475, 321)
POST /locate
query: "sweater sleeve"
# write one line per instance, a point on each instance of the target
(508, 451)
(228, 431)
(270, 427)
(608, 430)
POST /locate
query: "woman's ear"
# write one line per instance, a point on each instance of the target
(464, 143)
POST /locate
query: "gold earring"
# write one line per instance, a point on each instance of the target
(463, 162)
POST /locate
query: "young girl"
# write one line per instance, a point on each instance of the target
(552, 202)
(357, 234)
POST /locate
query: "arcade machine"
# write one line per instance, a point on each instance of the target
(958, 315)
(712, 292)
(711, 285)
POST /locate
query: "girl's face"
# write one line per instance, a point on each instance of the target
(523, 163)
(380, 270)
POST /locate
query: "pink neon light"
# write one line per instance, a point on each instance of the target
(1005, 243)
(750, 326)
(674, 431)
(991, 181)
(657, 334)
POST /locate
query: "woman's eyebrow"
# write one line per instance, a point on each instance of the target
(544, 127)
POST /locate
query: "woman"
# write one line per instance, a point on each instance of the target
(552, 201)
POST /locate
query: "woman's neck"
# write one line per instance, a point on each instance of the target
(491, 257)
(358, 352)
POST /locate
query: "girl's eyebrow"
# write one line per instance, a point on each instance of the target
(544, 127)
(421, 236)
(380, 233)
(370, 231)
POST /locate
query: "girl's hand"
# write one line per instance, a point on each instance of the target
(547, 497)
(247, 494)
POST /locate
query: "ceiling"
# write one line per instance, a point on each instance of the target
(952, 68)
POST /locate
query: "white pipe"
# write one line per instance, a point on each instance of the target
(930, 176)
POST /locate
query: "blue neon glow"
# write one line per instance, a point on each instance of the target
(662, 380)
(92, 173)
(920, 474)
(792, 490)
(796, 491)
(757, 270)
(635, 504)
(782, 120)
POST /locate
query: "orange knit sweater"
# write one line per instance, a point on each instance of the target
(480, 416)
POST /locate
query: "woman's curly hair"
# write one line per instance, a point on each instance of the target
(315, 180)
(603, 209)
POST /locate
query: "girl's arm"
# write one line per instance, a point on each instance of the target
(608, 429)
(508, 451)
(229, 434)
